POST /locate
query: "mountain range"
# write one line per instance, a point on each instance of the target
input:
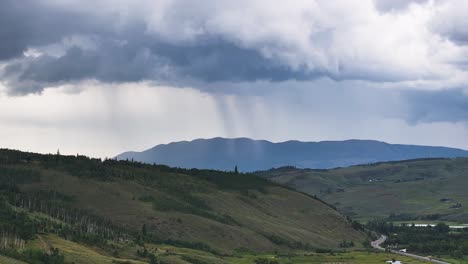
(252, 155)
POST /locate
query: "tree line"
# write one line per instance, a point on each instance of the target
(437, 240)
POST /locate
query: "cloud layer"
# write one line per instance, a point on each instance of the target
(49, 43)
(107, 73)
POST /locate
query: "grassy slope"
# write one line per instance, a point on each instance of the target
(281, 212)
(353, 257)
(80, 254)
(413, 187)
(257, 209)
(6, 260)
(77, 253)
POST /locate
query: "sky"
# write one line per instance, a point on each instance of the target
(105, 76)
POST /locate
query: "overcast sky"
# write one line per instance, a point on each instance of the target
(104, 76)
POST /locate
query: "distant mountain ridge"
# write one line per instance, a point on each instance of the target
(252, 155)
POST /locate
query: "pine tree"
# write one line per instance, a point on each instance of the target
(143, 230)
(153, 259)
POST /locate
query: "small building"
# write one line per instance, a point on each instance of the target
(394, 262)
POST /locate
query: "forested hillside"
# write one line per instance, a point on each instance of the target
(53, 206)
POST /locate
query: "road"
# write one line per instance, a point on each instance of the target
(377, 245)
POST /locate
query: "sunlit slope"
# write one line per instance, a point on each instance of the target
(225, 211)
(424, 189)
(7, 260)
(84, 254)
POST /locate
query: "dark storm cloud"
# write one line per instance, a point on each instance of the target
(15, 30)
(28, 23)
(110, 64)
(144, 58)
(197, 44)
(130, 51)
(218, 60)
(124, 55)
(437, 106)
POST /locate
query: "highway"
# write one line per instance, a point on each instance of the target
(377, 245)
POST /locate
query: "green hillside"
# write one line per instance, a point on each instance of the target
(78, 253)
(126, 211)
(427, 189)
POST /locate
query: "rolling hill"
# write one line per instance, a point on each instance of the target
(112, 210)
(252, 155)
(424, 189)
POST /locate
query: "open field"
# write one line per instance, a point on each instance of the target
(6, 260)
(342, 258)
(77, 253)
(81, 254)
